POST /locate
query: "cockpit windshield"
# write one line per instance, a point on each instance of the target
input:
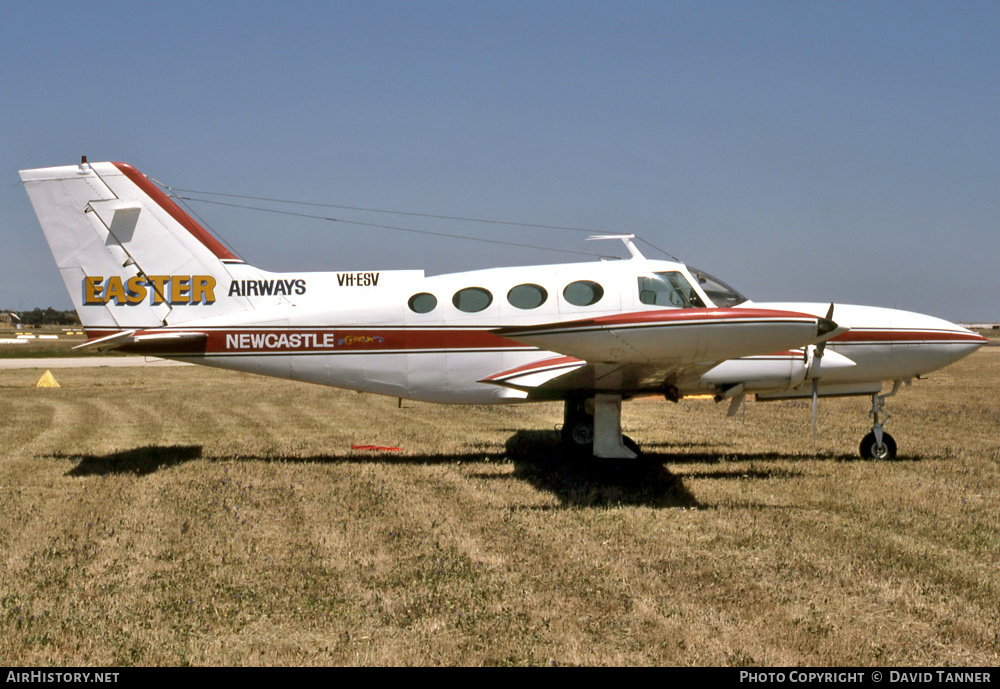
(670, 289)
(721, 294)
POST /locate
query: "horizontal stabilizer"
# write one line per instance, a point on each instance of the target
(144, 342)
(108, 342)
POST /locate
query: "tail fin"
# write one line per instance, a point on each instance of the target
(130, 257)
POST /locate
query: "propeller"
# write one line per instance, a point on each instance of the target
(825, 326)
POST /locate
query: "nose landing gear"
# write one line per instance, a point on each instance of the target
(878, 444)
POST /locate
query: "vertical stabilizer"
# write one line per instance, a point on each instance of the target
(129, 255)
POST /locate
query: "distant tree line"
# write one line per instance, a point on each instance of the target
(47, 316)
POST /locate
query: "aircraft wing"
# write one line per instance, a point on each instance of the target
(644, 351)
(676, 336)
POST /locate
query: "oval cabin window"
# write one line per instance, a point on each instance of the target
(583, 293)
(423, 303)
(528, 296)
(472, 299)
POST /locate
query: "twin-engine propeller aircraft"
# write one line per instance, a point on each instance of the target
(146, 278)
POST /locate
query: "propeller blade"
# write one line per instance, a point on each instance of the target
(826, 325)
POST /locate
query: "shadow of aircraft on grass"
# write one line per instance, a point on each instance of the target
(537, 457)
(586, 481)
(138, 460)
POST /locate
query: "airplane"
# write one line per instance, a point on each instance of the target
(146, 278)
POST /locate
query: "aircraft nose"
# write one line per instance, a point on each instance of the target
(893, 345)
(934, 342)
(951, 331)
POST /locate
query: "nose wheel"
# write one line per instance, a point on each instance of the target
(878, 444)
(873, 448)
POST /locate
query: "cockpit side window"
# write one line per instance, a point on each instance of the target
(721, 294)
(668, 289)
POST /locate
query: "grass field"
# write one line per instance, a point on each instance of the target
(37, 348)
(170, 516)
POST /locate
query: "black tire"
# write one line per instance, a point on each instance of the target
(578, 435)
(870, 450)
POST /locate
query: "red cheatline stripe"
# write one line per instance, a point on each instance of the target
(335, 340)
(175, 211)
(892, 335)
(662, 317)
(545, 364)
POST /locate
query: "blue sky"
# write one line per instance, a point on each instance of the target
(824, 151)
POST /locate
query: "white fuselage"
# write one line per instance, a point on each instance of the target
(362, 330)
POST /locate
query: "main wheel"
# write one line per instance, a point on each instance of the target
(578, 434)
(870, 449)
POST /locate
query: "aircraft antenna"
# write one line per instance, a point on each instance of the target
(175, 191)
(378, 225)
(626, 238)
(176, 194)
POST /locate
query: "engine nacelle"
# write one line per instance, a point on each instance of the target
(773, 371)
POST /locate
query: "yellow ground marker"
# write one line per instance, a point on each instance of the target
(47, 381)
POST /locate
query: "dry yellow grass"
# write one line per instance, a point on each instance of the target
(37, 347)
(190, 516)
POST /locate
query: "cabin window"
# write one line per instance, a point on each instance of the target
(472, 299)
(423, 303)
(583, 293)
(527, 296)
(668, 289)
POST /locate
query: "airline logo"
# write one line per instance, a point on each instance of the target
(159, 289)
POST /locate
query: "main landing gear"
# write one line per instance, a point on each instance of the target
(878, 444)
(594, 427)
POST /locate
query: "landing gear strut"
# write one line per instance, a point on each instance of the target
(594, 426)
(878, 444)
